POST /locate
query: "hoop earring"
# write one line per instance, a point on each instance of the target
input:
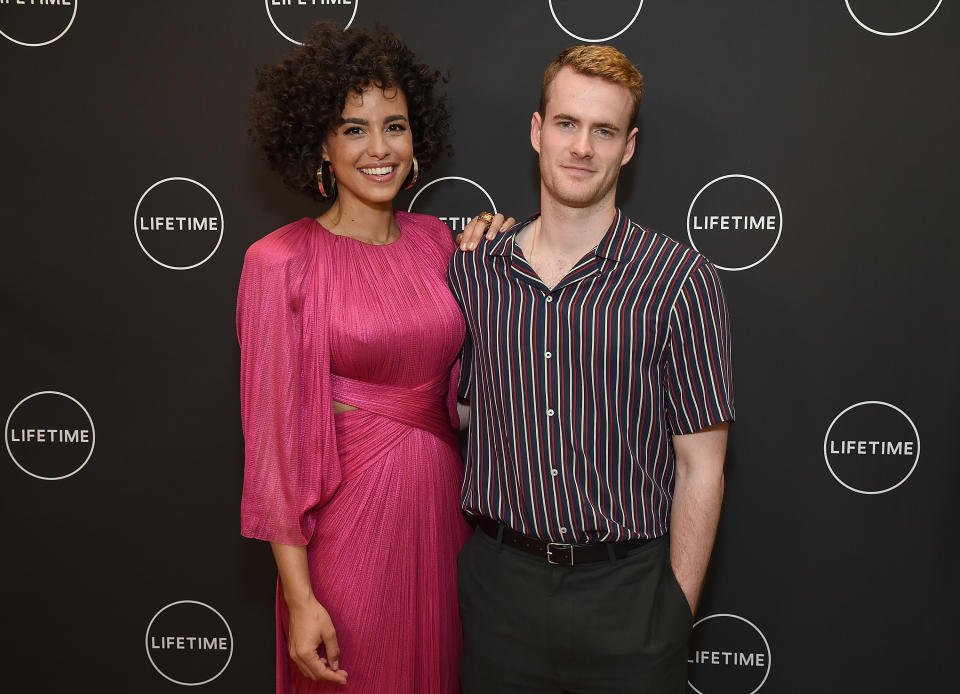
(416, 172)
(333, 181)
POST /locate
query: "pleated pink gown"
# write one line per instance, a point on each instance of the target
(383, 534)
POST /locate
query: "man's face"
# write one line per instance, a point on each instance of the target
(583, 138)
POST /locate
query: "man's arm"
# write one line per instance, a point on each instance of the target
(698, 493)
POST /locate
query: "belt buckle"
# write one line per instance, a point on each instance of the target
(559, 547)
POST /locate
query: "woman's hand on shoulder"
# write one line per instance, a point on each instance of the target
(480, 226)
(310, 628)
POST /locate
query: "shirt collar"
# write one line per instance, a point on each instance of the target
(503, 244)
(613, 246)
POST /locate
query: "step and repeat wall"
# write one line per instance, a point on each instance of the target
(808, 148)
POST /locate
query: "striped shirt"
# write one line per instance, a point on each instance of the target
(575, 391)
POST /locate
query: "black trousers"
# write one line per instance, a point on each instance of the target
(615, 626)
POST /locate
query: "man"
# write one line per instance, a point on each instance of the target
(597, 366)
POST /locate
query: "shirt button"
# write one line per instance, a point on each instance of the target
(563, 531)
(553, 471)
(549, 299)
(550, 413)
(548, 355)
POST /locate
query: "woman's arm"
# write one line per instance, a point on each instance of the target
(310, 624)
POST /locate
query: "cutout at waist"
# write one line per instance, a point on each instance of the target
(341, 407)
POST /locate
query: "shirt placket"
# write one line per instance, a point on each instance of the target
(550, 368)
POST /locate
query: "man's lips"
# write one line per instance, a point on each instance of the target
(577, 169)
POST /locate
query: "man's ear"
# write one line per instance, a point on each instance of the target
(536, 126)
(631, 146)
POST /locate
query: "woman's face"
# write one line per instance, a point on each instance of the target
(372, 150)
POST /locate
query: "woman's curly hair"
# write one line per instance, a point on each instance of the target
(297, 102)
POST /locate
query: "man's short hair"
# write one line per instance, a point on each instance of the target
(605, 62)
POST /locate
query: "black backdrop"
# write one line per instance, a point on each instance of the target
(836, 566)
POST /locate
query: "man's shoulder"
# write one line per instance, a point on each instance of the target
(649, 246)
(487, 253)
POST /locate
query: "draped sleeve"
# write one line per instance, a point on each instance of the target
(290, 460)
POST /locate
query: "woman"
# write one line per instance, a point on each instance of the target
(348, 338)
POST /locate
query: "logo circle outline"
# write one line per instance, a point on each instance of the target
(757, 629)
(266, 3)
(779, 214)
(146, 640)
(453, 178)
(890, 33)
(583, 38)
(76, 4)
(826, 439)
(93, 435)
(136, 231)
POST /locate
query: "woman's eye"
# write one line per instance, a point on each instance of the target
(352, 131)
(396, 127)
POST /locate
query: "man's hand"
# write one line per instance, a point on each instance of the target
(468, 239)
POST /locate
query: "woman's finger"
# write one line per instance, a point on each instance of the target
(495, 226)
(326, 673)
(472, 233)
(310, 663)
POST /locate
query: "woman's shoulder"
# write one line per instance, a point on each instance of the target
(282, 246)
(429, 228)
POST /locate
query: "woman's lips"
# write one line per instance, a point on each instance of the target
(380, 174)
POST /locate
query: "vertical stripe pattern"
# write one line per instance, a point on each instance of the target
(576, 391)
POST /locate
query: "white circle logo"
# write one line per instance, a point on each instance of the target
(50, 435)
(30, 23)
(454, 202)
(596, 19)
(189, 643)
(295, 17)
(736, 221)
(728, 655)
(872, 447)
(178, 223)
(889, 15)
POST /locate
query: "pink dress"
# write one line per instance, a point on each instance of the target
(373, 493)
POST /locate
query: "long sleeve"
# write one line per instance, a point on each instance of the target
(291, 466)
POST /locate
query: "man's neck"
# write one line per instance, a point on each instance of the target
(574, 230)
(562, 235)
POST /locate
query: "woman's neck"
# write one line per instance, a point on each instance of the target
(364, 221)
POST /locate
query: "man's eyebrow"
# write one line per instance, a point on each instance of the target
(574, 119)
(608, 126)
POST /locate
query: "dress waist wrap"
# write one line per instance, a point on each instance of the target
(423, 407)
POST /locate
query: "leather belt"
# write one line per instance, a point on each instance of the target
(558, 553)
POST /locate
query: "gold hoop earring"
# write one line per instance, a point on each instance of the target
(333, 181)
(416, 172)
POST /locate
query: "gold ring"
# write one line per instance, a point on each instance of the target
(486, 216)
